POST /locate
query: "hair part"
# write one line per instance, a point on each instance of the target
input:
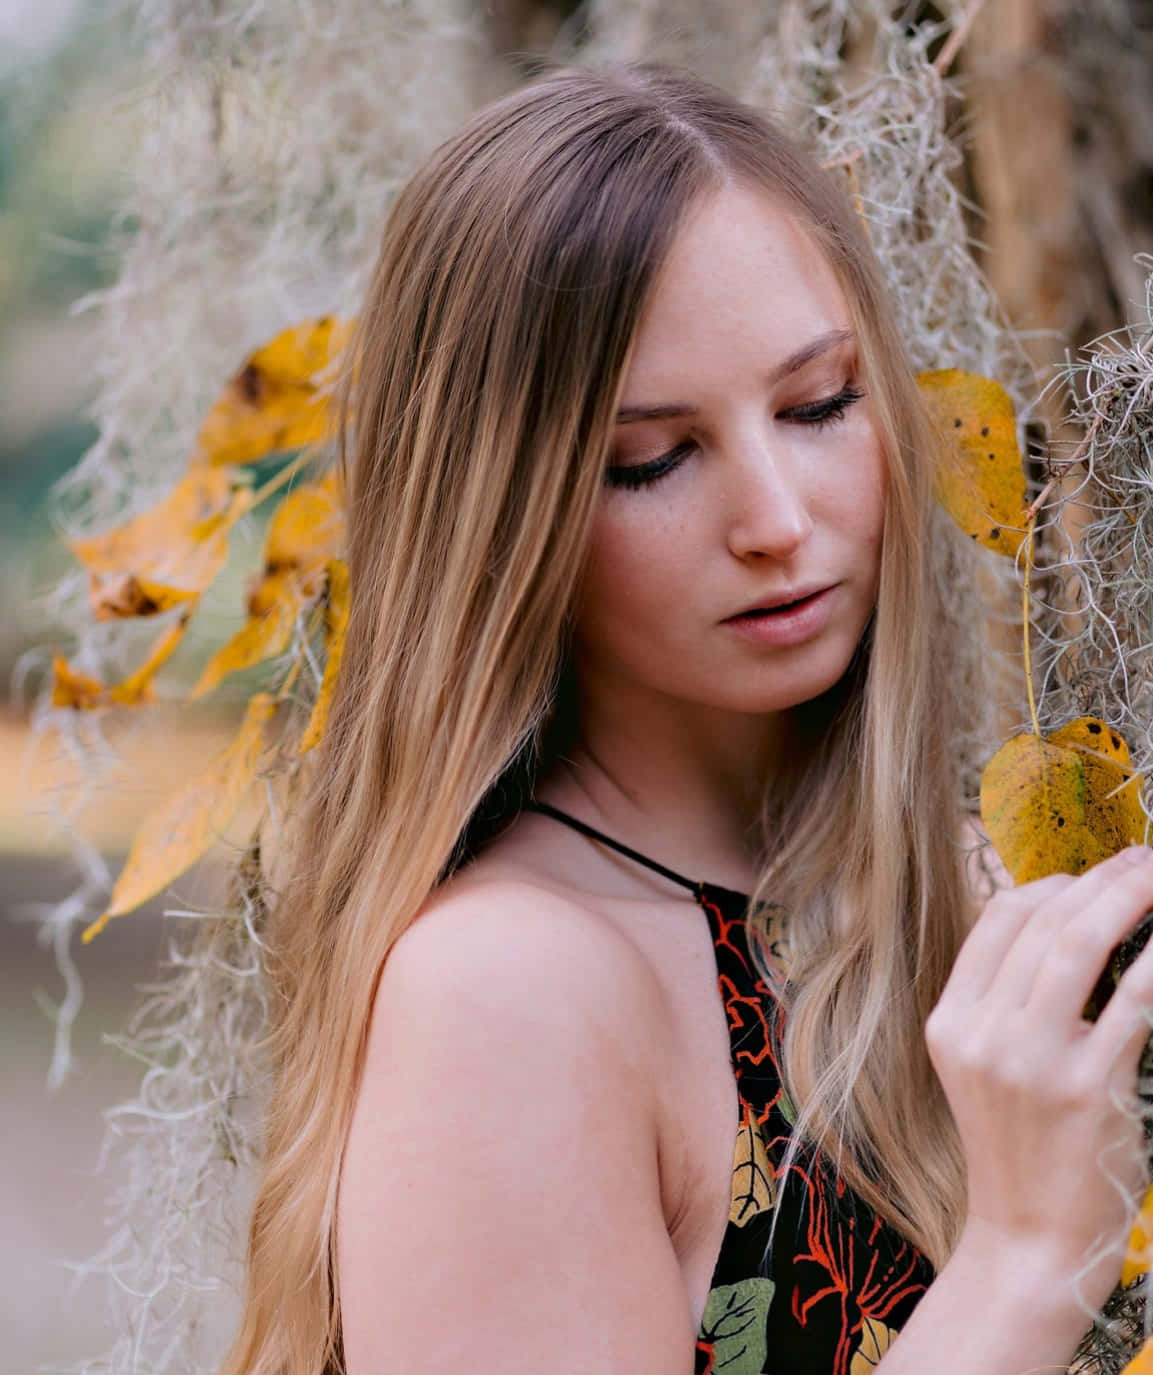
(477, 411)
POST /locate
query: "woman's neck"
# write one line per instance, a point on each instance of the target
(690, 791)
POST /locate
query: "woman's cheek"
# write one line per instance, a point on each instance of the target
(630, 579)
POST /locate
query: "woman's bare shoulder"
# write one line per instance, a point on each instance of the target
(520, 947)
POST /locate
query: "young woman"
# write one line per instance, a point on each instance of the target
(631, 869)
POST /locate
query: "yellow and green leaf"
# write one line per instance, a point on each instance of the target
(1061, 803)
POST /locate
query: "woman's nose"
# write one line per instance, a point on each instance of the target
(767, 511)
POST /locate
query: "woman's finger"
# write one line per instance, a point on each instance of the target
(1059, 932)
(1079, 952)
(998, 926)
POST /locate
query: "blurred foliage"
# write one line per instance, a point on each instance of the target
(61, 150)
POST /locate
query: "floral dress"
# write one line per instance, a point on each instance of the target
(840, 1282)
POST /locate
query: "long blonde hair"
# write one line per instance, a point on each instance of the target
(478, 406)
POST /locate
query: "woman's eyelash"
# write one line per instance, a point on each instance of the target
(822, 413)
(815, 413)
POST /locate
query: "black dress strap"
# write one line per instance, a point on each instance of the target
(608, 840)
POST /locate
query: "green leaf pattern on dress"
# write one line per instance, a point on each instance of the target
(734, 1321)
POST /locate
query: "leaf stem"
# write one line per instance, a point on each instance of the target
(1025, 623)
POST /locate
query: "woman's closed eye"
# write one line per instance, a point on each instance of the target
(818, 414)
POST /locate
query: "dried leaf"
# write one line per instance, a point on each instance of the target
(200, 496)
(982, 482)
(307, 528)
(1061, 804)
(78, 690)
(174, 837)
(305, 532)
(166, 556)
(118, 597)
(279, 399)
(261, 637)
(335, 627)
(71, 688)
(138, 686)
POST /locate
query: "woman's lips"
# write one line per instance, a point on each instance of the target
(787, 625)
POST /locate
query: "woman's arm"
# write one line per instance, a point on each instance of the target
(500, 1205)
(998, 1307)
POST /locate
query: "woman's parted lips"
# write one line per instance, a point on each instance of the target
(776, 599)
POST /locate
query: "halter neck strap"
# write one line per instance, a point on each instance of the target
(608, 840)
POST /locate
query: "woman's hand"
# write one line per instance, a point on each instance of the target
(1044, 1100)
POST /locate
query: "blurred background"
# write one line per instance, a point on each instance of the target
(1057, 123)
(69, 124)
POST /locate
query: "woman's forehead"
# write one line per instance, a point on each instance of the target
(743, 276)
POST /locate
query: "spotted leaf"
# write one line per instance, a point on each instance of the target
(981, 481)
(1061, 803)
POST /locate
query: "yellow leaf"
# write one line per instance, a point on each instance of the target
(1061, 804)
(200, 495)
(73, 689)
(137, 687)
(753, 1187)
(1139, 1254)
(176, 835)
(263, 635)
(1142, 1363)
(279, 399)
(981, 482)
(306, 529)
(336, 626)
(166, 555)
(876, 1338)
(117, 597)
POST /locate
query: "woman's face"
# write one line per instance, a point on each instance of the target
(744, 469)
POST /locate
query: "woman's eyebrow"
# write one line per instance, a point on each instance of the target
(793, 363)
